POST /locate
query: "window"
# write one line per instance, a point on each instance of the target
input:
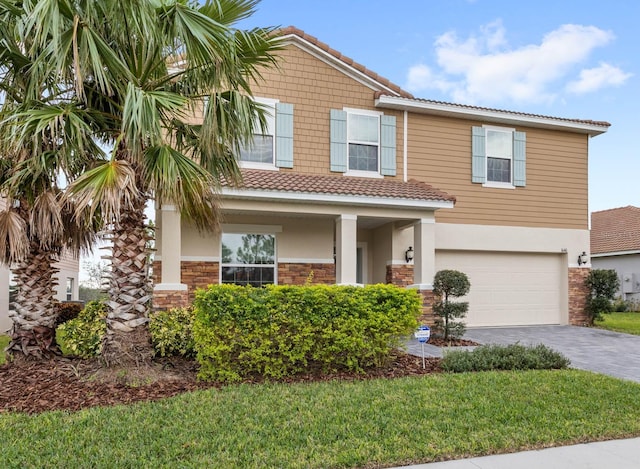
(274, 148)
(262, 149)
(248, 259)
(498, 157)
(363, 143)
(363, 133)
(69, 288)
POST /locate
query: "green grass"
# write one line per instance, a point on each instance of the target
(332, 424)
(620, 322)
(4, 341)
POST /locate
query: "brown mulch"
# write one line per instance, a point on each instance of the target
(74, 384)
(440, 342)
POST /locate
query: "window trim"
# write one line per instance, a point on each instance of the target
(256, 230)
(271, 123)
(361, 172)
(498, 184)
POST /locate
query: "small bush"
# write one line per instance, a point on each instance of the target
(504, 357)
(281, 331)
(83, 335)
(603, 285)
(67, 310)
(449, 284)
(172, 332)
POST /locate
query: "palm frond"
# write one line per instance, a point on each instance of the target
(45, 220)
(14, 242)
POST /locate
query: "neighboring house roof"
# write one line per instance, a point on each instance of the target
(271, 182)
(390, 95)
(615, 230)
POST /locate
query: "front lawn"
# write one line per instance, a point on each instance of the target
(333, 424)
(4, 342)
(628, 323)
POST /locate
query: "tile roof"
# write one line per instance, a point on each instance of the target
(284, 181)
(292, 30)
(615, 230)
(502, 111)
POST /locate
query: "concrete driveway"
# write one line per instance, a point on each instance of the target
(610, 353)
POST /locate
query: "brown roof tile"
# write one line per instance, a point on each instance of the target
(504, 111)
(615, 230)
(281, 181)
(292, 30)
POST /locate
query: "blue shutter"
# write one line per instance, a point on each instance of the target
(478, 155)
(388, 145)
(519, 159)
(338, 141)
(284, 135)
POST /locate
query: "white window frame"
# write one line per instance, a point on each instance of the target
(359, 172)
(267, 230)
(69, 289)
(497, 184)
(271, 131)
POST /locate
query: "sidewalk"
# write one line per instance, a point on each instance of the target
(618, 454)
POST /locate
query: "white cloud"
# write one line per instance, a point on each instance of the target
(484, 68)
(593, 79)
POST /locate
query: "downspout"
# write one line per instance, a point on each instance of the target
(404, 147)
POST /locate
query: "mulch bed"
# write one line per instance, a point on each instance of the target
(71, 384)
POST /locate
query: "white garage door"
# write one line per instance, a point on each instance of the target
(509, 289)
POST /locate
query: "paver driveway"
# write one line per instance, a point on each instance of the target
(606, 352)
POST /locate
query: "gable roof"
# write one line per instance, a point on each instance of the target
(615, 230)
(390, 95)
(338, 189)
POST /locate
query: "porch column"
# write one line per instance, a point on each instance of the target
(171, 241)
(346, 246)
(424, 260)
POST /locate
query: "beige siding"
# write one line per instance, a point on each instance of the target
(556, 192)
(314, 88)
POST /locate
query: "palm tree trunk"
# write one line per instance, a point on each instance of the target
(34, 310)
(127, 339)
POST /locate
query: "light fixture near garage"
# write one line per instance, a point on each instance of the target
(408, 254)
(582, 259)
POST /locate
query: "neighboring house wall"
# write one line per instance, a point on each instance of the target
(628, 269)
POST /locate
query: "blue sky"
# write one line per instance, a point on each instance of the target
(565, 58)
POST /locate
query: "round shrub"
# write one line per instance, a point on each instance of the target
(172, 332)
(83, 335)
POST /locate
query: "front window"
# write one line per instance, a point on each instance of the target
(248, 259)
(261, 150)
(499, 155)
(69, 291)
(363, 134)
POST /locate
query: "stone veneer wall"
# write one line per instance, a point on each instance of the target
(297, 274)
(400, 275)
(578, 294)
(427, 317)
(163, 300)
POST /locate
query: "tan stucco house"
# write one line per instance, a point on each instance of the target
(360, 182)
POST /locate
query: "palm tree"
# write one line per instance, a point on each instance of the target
(146, 68)
(37, 225)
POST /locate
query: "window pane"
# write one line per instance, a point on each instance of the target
(363, 157)
(255, 276)
(248, 248)
(363, 128)
(499, 144)
(498, 170)
(260, 151)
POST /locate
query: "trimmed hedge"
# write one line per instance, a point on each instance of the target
(171, 332)
(504, 357)
(281, 331)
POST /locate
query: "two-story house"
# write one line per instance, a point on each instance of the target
(359, 182)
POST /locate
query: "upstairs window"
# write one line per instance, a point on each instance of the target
(262, 148)
(363, 143)
(498, 157)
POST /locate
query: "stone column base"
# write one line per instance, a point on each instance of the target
(427, 317)
(578, 294)
(400, 275)
(167, 299)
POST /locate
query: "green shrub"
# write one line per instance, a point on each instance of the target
(281, 331)
(450, 284)
(172, 332)
(504, 357)
(83, 335)
(603, 285)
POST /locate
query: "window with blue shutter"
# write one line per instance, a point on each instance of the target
(498, 157)
(519, 159)
(338, 141)
(388, 145)
(478, 156)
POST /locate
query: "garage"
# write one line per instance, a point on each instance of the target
(510, 289)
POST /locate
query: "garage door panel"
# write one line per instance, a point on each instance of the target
(507, 288)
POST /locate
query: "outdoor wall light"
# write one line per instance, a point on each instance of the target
(582, 258)
(408, 254)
